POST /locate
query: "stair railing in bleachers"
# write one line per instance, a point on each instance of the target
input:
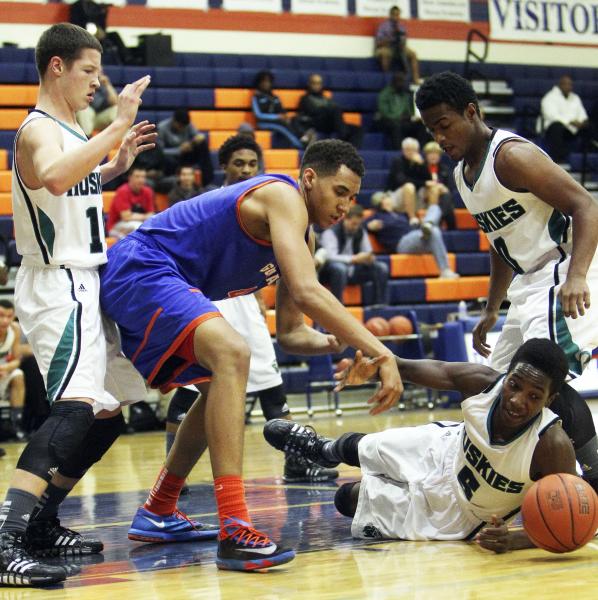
(475, 35)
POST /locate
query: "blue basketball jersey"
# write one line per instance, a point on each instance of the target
(206, 240)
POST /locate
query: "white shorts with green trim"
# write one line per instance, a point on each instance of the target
(536, 311)
(77, 351)
(5, 383)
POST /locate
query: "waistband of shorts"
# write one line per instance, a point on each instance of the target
(32, 263)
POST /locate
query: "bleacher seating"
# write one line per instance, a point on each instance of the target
(217, 90)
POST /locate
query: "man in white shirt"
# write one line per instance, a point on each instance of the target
(564, 118)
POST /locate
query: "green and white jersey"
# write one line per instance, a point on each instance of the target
(524, 230)
(65, 230)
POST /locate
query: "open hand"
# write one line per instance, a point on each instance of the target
(139, 138)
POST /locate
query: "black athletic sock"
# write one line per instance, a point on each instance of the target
(47, 507)
(16, 510)
(16, 417)
(344, 449)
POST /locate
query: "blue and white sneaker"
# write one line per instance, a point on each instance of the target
(177, 527)
(242, 548)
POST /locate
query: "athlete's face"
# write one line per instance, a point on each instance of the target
(243, 165)
(452, 130)
(79, 81)
(7, 316)
(525, 392)
(328, 198)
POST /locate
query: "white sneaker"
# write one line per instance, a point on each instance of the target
(448, 274)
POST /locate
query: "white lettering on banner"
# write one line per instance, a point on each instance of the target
(444, 10)
(196, 4)
(320, 7)
(253, 6)
(545, 20)
(381, 8)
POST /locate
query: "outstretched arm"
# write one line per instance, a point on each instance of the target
(467, 378)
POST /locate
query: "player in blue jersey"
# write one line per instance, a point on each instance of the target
(159, 284)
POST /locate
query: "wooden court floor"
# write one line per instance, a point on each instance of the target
(329, 564)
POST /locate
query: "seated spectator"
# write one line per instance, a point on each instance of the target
(564, 119)
(182, 144)
(408, 173)
(349, 257)
(396, 113)
(132, 204)
(324, 115)
(438, 186)
(394, 233)
(271, 115)
(391, 48)
(239, 157)
(185, 187)
(12, 380)
(102, 110)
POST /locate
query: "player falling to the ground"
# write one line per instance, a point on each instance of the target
(239, 157)
(158, 285)
(541, 225)
(446, 480)
(57, 206)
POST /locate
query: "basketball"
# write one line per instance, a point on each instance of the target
(379, 326)
(400, 325)
(560, 513)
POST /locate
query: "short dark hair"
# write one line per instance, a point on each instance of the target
(546, 356)
(237, 142)
(326, 157)
(135, 167)
(7, 304)
(181, 116)
(261, 75)
(64, 40)
(448, 88)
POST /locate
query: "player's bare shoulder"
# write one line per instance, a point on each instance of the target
(515, 159)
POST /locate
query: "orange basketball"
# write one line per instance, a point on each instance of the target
(400, 325)
(378, 326)
(560, 513)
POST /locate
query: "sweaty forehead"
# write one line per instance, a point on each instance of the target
(532, 375)
(436, 113)
(244, 154)
(345, 177)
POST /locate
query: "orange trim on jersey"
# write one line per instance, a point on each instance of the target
(178, 340)
(237, 293)
(238, 211)
(194, 291)
(171, 386)
(148, 330)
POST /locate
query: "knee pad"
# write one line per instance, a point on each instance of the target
(100, 437)
(343, 500)
(274, 403)
(59, 436)
(575, 415)
(180, 404)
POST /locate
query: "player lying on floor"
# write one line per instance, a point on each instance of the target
(448, 480)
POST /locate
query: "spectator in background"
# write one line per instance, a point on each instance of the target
(271, 115)
(102, 110)
(438, 186)
(325, 116)
(349, 258)
(182, 144)
(12, 379)
(391, 48)
(395, 234)
(185, 187)
(132, 204)
(396, 112)
(564, 119)
(408, 173)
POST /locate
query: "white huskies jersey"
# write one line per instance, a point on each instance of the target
(492, 477)
(524, 230)
(59, 230)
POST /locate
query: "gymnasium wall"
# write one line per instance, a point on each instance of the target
(219, 31)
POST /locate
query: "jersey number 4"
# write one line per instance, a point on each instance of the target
(96, 246)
